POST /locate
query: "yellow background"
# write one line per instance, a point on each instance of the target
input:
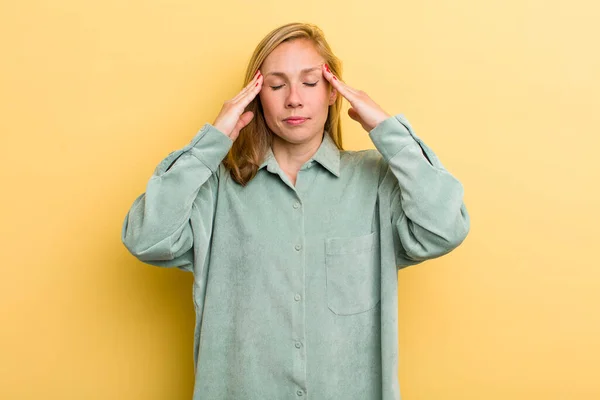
(95, 94)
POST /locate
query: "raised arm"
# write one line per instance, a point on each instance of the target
(182, 193)
(426, 204)
(157, 229)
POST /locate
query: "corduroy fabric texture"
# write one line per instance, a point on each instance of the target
(296, 286)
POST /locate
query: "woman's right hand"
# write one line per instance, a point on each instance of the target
(232, 118)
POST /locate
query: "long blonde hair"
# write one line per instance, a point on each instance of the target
(249, 149)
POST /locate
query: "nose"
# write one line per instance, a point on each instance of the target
(293, 99)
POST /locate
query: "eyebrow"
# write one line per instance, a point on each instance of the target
(304, 71)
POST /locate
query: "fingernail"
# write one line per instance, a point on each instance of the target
(327, 68)
(335, 78)
(256, 84)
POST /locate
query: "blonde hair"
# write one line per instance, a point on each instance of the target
(250, 148)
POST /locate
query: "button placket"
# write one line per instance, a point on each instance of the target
(298, 306)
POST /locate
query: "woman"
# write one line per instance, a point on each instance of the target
(294, 243)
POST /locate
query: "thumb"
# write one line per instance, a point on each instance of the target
(354, 115)
(243, 120)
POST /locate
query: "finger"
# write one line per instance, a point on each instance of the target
(244, 120)
(249, 95)
(354, 115)
(345, 90)
(250, 86)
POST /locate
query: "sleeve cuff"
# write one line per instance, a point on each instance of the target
(394, 134)
(210, 146)
(391, 135)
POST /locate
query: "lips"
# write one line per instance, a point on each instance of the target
(295, 119)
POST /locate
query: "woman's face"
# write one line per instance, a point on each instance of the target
(290, 92)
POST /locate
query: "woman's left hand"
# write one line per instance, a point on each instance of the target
(364, 110)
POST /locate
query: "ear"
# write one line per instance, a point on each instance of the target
(332, 96)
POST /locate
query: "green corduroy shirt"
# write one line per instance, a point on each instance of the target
(295, 286)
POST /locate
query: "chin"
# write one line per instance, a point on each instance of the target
(294, 139)
(294, 135)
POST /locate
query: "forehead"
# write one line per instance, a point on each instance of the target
(292, 58)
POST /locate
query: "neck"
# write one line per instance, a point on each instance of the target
(291, 156)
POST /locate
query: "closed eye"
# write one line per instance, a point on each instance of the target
(307, 84)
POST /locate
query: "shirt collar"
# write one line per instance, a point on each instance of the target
(328, 155)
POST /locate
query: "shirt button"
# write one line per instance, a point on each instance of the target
(298, 345)
(298, 247)
(296, 205)
(297, 297)
(299, 393)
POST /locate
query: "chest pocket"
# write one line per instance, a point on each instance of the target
(353, 274)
